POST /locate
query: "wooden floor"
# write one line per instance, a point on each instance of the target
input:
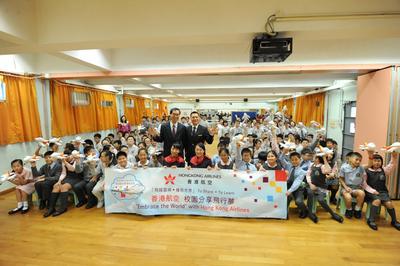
(90, 237)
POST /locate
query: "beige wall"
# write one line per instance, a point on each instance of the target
(373, 101)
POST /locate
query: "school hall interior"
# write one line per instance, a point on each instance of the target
(257, 132)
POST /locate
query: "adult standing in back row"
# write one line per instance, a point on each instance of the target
(170, 132)
(196, 133)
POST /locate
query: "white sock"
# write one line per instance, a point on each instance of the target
(26, 206)
(350, 209)
(357, 208)
(19, 205)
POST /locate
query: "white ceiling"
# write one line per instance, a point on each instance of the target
(91, 36)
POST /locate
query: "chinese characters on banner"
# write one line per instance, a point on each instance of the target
(157, 191)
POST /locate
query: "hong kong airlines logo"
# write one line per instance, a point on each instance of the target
(170, 179)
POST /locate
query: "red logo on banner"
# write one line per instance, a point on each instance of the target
(170, 179)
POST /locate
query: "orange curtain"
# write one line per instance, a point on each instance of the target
(140, 109)
(163, 108)
(132, 113)
(310, 107)
(19, 114)
(69, 120)
(289, 104)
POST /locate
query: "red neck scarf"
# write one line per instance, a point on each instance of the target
(171, 159)
(198, 160)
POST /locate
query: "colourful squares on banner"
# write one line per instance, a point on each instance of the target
(278, 189)
(245, 189)
(243, 181)
(265, 179)
(255, 200)
(280, 176)
(253, 183)
(234, 175)
(250, 177)
(272, 183)
(275, 206)
(270, 198)
(259, 188)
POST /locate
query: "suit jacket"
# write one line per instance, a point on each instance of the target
(168, 138)
(50, 174)
(201, 135)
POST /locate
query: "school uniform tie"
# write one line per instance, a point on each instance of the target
(194, 131)
(247, 166)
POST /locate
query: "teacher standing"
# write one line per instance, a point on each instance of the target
(124, 126)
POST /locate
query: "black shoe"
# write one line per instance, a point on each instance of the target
(25, 210)
(57, 213)
(90, 205)
(349, 214)
(48, 213)
(396, 225)
(337, 218)
(81, 203)
(334, 202)
(357, 214)
(42, 205)
(13, 211)
(372, 225)
(313, 217)
(303, 214)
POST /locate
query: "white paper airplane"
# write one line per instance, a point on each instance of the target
(32, 158)
(395, 147)
(7, 177)
(76, 154)
(44, 142)
(91, 158)
(57, 155)
(368, 146)
(288, 145)
(321, 131)
(324, 151)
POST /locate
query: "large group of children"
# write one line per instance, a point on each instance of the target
(272, 141)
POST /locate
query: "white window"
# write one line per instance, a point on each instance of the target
(80, 98)
(106, 103)
(130, 103)
(2, 90)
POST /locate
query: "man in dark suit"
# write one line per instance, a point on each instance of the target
(196, 133)
(170, 132)
(48, 175)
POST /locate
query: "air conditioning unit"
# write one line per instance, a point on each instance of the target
(266, 48)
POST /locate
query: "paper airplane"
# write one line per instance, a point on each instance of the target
(32, 158)
(78, 139)
(324, 151)
(7, 177)
(288, 145)
(91, 158)
(44, 142)
(395, 147)
(76, 154)
(57, 155)
(321, 131)
(368, 146)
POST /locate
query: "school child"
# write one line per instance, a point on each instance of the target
(243, 159)
(316, 179)
(306, 159)
(352, 179)
(97, 142)
(122, 161)
(174, 159)
(332, 179)
(376, 179)
(272, 162)
(47, 176)
(225, 161)
(87, 166)
(295, 188)
(24, 182)
(106, 161)
(70, 176)
(143, 160)
(215, 159)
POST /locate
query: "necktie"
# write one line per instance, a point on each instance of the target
(247, 166)
(194, 131)
(174, 130)
(292, 174)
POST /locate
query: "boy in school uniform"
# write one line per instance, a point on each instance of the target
(97, 142)
(122, 161)
(352, 177)
(85, 187)
(295, 187)
(243, 159)
(48, 175)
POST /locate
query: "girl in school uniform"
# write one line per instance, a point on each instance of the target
(174, 160)
(143, 160)
(376, 179)
(332, 179)
(25, 186)
(107, 159)
(316, 179)
(200, 160)
(272, 162)
(225, 161)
